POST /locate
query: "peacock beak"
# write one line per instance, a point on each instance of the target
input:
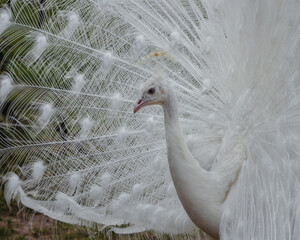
(139, 104)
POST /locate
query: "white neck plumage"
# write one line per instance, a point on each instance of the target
(195, 186)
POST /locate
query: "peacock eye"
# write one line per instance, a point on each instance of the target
(151, 91)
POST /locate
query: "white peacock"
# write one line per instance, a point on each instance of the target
(223, 155)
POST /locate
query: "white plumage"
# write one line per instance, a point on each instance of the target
(72, 149)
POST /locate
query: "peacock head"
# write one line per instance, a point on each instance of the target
(153, 92)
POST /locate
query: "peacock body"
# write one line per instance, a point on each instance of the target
(72, 149)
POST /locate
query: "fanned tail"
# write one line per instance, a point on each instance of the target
(78, 153)
(71, 71)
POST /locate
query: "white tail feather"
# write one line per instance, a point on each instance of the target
(47, 111)
(11, 187)
(38, 170)
(73, 72)
(5, 85)
(5, 16)
(39, 46)
(73, 21)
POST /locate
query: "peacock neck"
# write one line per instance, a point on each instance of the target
(195, 187)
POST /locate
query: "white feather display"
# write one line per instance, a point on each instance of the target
(5, 85)
(71, 147)
(4, 19)
(39, 46)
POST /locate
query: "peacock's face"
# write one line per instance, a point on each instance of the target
(153, 93)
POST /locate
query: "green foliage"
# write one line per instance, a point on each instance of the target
(3, 3)
(5, 232)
